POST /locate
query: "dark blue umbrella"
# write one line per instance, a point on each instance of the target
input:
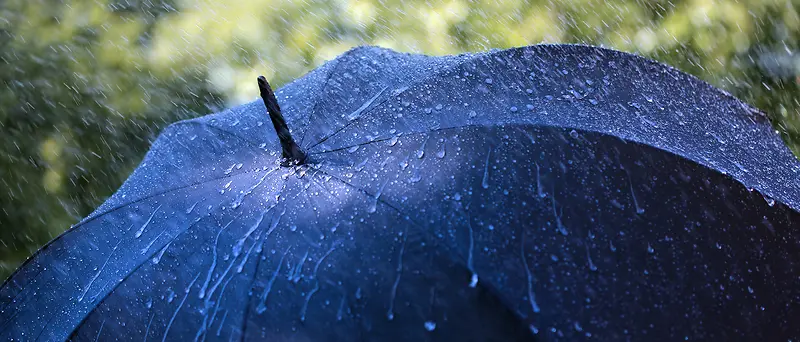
(548, 192)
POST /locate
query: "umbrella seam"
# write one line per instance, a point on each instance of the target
(324, 85)
(175, 125)
(369, 110)
(92, 218)
(135, 269)
(194, 122)
(545, 125)
(636, 58)
(406, 216)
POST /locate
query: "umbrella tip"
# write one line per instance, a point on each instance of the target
(292, 153)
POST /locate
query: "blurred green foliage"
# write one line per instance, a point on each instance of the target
(86, 85)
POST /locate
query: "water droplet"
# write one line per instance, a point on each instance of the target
(489, 81)
(473, 281)
(513, 109)
(374, 205)
(352, 149)
(415, 176)
(430, 325)
(529, 91)
(573, 134)
(421, 152)
(188, 211)
(230, 169)
(472, 114)
(770, 200)
(529, 106)
(404, 164)
(438, 107)
(441, 152)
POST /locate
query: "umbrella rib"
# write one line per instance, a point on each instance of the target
(377, 140)
(378, 199)
(251, 143)
(188, 185)
(356, 114)
(249, 302)
(324, 86)
(135, 269)
(171, 190)
(78, 225)
(93, 217)
(413, 84)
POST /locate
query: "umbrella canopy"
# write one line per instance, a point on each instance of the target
(540, 193)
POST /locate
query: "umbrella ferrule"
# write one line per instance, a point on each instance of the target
(292, 153)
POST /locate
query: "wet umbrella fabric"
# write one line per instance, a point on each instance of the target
(546, 192)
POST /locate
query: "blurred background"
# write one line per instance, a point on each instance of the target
(86, 85)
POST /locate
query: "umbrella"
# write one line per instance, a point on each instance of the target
(540, 193)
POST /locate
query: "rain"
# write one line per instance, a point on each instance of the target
(404, 170)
